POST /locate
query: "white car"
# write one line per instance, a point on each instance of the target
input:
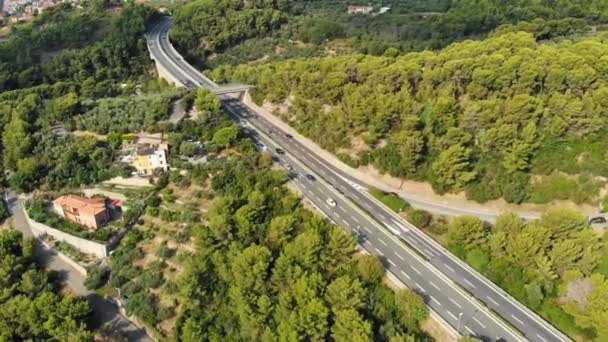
(330, 202)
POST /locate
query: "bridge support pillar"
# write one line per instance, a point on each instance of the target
(164, 74)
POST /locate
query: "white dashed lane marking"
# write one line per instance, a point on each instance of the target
(455, 303)
(416, 270)
(517, 319)
(479, 322)
(435, 286)
(492, 300)
(468, 282)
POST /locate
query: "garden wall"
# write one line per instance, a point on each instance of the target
(83, 245)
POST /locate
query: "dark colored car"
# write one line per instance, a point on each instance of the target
(289, 135)
(280, 151)
(311, 178)
(275, 159)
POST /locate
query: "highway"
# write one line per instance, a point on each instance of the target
(460, 295)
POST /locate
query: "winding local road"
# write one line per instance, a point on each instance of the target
(465, 299)
(105, 312)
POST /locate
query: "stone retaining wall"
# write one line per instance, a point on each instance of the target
(83, 245)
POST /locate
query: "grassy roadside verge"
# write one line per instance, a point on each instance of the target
(392, 201)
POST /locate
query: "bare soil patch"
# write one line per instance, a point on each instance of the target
(425, 190)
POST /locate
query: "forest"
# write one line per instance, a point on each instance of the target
(31, 305)
(119, 54)
(557, 265)
(39, 101)
(480, 116)
(274, 30)
(472, 17)
(265, 268)
(222, 23)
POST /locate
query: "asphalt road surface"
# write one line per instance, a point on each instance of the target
(459, 294)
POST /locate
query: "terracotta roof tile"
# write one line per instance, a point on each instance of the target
(89, 206)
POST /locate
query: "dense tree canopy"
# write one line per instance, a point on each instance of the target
(478, 115)
(470, 17)
(51, 70)
(204, 26)
(119, 55)
(30, 306)
(544, 263)
(265, 268)
(251, 31)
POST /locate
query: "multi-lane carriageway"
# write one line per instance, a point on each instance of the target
(461, 296)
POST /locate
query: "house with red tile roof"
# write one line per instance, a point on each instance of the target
(91, 213)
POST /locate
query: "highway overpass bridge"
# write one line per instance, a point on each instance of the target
(172, 67)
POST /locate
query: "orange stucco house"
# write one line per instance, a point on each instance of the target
(91, 213)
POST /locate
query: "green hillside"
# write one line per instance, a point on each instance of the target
(481, 116)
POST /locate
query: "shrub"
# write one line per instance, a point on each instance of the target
(564, 321)
(103, 234)
(438, 227)
(348, 160)
(318, 30)
(164, 251)
(153, 201)
(171, 287)
(478, 259)
(419, 218)
(152, 211)
(168, 196)
(605, 204)
(168, 215)
(483, 191)
(96, 277)
(4, 213)
(166, 312)
(152, 279)
(515, 193)
(142, 305)
(552, 188)
(390, 200)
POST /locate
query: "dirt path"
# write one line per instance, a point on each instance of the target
(419, 194)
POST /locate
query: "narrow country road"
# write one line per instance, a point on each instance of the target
(104, 312)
